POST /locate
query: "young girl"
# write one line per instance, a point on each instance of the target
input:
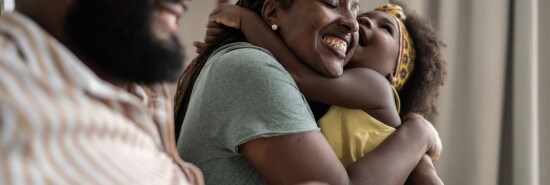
(396, 66)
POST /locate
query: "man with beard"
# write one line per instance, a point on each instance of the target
(83, 98)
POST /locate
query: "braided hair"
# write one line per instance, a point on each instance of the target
(227, 36)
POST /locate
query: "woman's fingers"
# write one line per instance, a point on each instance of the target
(434, 144)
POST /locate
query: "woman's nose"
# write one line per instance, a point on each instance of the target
(349, 21)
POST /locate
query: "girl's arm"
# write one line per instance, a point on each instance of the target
(358, 88)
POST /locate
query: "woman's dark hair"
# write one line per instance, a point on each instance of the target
(227, 36)
(420, 93)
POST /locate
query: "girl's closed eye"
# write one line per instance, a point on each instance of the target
(387, 28)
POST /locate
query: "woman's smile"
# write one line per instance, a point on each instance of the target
(336, 45)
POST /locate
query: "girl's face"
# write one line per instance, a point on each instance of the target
(378, 42)
(321, 33)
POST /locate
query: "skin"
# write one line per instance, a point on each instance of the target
(307, 42)
(287, 159)
(378, 44)
(369, 64)
(52, 16)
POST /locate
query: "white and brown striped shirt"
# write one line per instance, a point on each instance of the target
(61, 124)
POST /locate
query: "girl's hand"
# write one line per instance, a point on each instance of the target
(229, 15)
(213, 29)
(225, 15)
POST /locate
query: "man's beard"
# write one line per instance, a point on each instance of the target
(116, 36)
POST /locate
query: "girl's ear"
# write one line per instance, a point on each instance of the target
(270, 12)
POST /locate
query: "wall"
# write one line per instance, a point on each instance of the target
(8, 5)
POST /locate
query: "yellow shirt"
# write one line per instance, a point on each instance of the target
(353, 133)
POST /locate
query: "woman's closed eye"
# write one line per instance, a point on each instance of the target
(331, 4)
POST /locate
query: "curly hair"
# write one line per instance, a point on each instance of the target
(227, 36)
(420, 93)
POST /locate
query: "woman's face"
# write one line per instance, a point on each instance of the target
(321, 33)
(378, 42)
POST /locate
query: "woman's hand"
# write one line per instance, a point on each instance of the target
(424, 173)
(434, 141)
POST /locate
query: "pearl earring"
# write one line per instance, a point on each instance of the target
(274, 27)
(394, 80)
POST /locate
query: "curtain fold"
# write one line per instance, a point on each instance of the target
(471, 103)
(544, 83)
(494, 115)
(526, 94)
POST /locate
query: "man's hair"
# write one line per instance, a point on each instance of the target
(227, 36)
(420, 93)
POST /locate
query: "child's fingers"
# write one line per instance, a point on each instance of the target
(213, 31)
(209, 38)
(225, 14)
(199, 46)
(213, 24)
(228, 21)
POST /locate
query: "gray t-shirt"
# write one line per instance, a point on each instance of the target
(242, 94)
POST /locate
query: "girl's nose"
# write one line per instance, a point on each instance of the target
(365, 21)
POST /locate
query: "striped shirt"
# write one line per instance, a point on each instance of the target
(62, 124)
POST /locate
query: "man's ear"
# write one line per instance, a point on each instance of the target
(270, 12)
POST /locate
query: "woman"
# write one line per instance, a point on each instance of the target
(245, 121)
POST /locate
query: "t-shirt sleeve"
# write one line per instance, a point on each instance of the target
(258, 98)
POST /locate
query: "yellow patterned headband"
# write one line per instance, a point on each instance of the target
(405, 60)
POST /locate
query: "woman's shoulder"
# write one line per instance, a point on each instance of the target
(242, 57)
(241, 51)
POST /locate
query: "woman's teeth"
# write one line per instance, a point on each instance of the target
(336, 43)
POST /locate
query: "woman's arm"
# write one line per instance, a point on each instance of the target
(358, 88)
(307, 156)
(424, 173)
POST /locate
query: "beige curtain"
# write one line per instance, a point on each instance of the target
(494, 117)
(492, 108)
(544, 83)
(526, 96)
(472, 101)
